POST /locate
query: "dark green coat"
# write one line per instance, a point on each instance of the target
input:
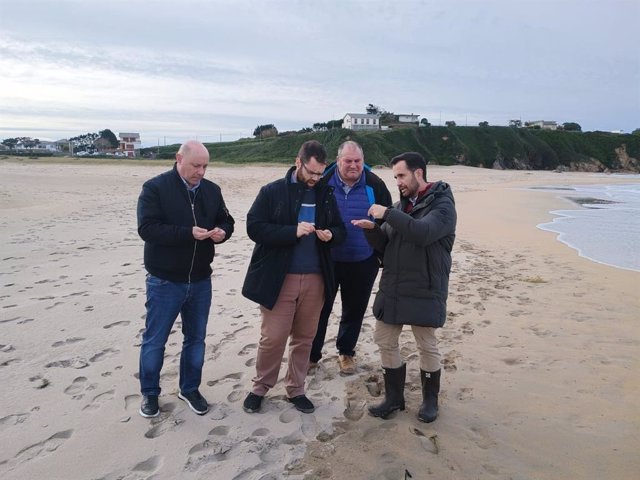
(416, 251)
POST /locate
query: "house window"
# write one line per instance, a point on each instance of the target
(374, 121)
(367, 121)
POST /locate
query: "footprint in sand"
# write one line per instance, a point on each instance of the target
(78, 385)
(38, 450)
(246, 350)
(145, 469)
(219, 411)
(164, 423)
(374, 385)
(40, 382)
(354, 410)
(465, 393)
(122, 323)
(54, 305)
(288, 416)
(429, 440)
(449, 361)
(512, 361)
(232, 376)
(480, 308)
(237, 393)
(209, 451)
(150, 465)
(221, 430)
(131, 403)
(6, 363)
(106, 353)
(99, 400)
(480, 437)
(11, 420)
(10, 319)
(67, 341)
(467, 329)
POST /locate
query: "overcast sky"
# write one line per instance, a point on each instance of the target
(214, 70)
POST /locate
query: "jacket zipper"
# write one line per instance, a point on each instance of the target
(195, 224)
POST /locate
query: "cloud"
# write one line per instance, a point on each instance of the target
(160, 68)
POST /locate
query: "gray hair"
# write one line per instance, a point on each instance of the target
(349, 143)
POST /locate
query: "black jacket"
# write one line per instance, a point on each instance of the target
(165, 222)
(417, 247)
(272, 223)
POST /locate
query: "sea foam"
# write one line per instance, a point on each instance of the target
(605, 228)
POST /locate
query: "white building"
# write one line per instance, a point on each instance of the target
(543, 124)
(361, 121)
(129, 143)
(49, 146)
(407, 118)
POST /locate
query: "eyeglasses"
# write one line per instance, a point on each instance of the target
(313, 174)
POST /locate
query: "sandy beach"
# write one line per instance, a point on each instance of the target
(541, 349)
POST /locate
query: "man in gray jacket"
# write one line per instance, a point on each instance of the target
(416, 239)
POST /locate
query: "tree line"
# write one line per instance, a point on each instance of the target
(87, 142)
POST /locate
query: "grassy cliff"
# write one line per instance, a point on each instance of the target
(503, 147)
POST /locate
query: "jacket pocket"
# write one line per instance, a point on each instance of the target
(378, 306)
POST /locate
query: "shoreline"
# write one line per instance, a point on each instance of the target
(602, 242)
(539, 349)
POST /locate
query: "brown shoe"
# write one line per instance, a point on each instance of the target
(347, 364)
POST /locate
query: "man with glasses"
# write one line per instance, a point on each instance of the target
(356, 265)
(294, 222)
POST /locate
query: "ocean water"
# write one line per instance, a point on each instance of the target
(604, 226)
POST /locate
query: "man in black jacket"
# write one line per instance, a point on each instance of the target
(416, 238)
(181, 216)
(294, 222)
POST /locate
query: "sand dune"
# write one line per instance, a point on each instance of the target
(540, 348)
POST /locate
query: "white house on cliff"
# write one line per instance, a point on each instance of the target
(361, 121)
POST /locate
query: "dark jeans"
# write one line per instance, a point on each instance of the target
(165, 300)
(355, 280)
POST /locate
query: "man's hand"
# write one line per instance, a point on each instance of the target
(200, 233)
(217, 234)
(324, 235)
(377, 211)
(366, 224)
(305, 228)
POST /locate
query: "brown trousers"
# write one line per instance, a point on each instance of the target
(295, 314)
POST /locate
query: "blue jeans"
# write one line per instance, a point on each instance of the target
(165, 300)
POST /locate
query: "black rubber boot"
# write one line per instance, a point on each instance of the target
(430, 389)
(393, 392)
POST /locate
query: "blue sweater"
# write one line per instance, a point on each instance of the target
(353, 206)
